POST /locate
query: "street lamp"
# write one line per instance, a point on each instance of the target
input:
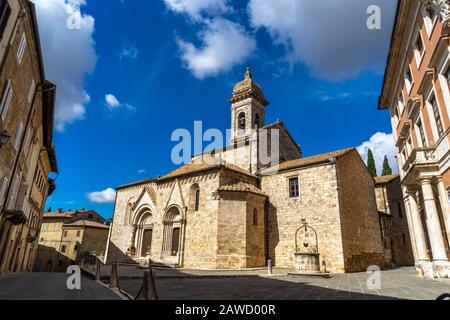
(4, 138)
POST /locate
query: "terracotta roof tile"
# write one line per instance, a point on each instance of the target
(241, 187)
(197, 167)
(386, 179)
(316, 159)
(87, 223)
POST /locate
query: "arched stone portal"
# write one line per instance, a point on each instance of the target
(173, 237)
(143, 236)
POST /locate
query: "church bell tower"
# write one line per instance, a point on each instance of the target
(247, 109)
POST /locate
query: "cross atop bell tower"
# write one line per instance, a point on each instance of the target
(248, 107)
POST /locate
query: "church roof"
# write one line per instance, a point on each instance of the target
(313, 160)
(248, 88)
(198, 167)
(136, 183)
(241, 187)
(386, 179)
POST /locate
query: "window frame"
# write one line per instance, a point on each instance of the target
(7, 97)
(419, 54)
(22, 47)
(197, 200)
(429, 22)
(409, 82)
(294, 194)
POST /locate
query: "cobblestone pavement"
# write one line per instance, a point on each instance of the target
(50, 286)
(395, 284)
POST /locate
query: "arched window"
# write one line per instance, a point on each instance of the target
(197, 200)
(255, 217)
(257, 121)
(241, 121)
(195, 197)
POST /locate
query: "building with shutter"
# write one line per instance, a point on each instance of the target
(70, 237)
(27, 154)
(416, 93)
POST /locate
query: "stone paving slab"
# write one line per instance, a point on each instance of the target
(395, 284)
(50, 286)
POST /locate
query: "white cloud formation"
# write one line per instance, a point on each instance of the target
(111, 101)
(68, 56)
(105, 196)
(129, 52)
(330, 37)
(225, 44)
(194, 8)
(381, 144)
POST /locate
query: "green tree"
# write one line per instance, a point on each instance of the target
(387, 171)
(371, 164)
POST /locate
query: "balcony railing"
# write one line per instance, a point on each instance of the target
(420, 157)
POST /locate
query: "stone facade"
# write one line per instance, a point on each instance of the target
(394, 225)
(228, 209)
(67, 237)
(27, 102)
(416, 92)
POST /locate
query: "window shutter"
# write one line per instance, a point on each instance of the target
(6, 100)
(32, 90)
(18, 136)
(3, 190)
(5, 13)
(22, 46)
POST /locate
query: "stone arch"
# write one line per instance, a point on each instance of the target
(241, 120)
(143, 226)
(173, 234)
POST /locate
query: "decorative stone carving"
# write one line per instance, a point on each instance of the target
(443, 9)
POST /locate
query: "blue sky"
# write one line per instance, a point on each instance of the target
(136, 70)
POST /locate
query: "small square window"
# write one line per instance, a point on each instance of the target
(78, 233)
(294, 191)
(63, 249)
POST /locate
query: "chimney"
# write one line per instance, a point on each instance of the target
(60, 210)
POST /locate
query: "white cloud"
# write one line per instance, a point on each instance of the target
(142, 171)
(105, 196)
(194, 8)
(381, 144)
(111, 101)
(129, 52)
(68, 56)
(331, 38)
(225, 44)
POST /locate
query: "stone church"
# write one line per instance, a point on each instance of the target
(227, 209)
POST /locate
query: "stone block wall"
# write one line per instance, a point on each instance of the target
(361, 234)
(318, 204)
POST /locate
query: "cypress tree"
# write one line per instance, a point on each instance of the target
(387, 171)
(371, 163)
